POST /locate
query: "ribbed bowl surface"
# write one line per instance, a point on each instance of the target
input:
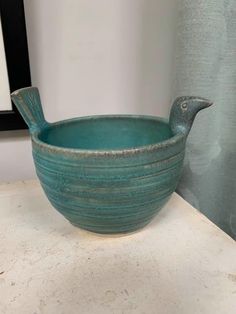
(109, 193)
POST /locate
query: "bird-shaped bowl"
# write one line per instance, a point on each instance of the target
(113, 173)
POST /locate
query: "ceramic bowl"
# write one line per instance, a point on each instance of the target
(108, 174)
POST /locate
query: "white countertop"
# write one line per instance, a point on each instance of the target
(180, 263)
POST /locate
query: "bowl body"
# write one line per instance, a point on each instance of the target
(108, 174)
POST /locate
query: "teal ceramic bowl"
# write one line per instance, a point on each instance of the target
(108, 174)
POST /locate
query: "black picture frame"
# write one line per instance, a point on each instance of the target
(17, 57)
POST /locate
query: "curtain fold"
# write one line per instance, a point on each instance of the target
(206, 66)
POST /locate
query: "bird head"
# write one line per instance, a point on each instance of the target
(183, 112)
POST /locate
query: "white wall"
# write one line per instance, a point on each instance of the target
(91, 57)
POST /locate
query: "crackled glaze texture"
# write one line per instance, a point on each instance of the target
(108, 174)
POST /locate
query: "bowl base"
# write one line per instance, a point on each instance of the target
(114, 231)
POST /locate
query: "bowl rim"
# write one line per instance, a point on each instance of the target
(92, 152)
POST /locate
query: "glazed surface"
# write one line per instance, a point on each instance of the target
(106, 133)
(109, 193)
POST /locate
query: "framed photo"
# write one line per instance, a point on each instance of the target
(14, 61)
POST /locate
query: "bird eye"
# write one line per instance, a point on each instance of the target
(184, 106)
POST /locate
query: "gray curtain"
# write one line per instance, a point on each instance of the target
(206, 66)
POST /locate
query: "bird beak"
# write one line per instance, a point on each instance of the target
(204, 103)
(209, 103)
